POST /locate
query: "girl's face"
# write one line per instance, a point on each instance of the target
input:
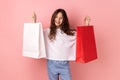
(58, 19)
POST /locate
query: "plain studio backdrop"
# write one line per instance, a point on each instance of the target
(105, 16)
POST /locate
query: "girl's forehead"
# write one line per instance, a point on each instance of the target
(59, 14)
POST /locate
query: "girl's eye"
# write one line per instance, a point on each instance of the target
(55, 17)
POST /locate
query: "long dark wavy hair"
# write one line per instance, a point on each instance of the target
(65, 27)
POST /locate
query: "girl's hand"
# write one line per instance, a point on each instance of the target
(34, 17)
(87, 21)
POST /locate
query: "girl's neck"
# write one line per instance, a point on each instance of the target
(58, 27)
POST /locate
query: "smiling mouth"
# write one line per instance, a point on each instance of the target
(57, 22)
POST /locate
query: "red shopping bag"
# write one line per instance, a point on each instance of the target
(85, 44)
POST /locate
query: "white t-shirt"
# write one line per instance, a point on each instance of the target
(62, 48)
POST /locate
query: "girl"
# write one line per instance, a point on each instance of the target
(60, 46)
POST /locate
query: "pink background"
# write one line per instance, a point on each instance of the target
(105, 15)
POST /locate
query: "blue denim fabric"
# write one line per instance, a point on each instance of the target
(58, 69)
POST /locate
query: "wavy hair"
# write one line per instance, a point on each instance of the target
(65, 27)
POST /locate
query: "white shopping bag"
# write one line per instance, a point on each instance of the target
(33, 41)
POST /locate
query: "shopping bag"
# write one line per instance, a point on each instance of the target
(85, 44)
(33, 41)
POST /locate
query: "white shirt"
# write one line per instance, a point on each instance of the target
(62, 48)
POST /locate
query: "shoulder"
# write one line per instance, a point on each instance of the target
(46, 30)
(73, 31)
